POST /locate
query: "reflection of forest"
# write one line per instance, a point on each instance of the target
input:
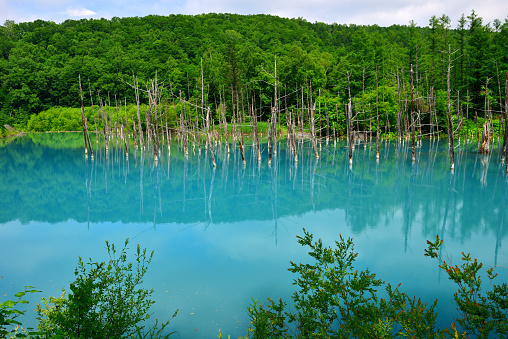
(54, 184)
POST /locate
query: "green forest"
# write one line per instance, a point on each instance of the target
(256, 62)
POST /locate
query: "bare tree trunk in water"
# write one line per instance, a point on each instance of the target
(377, 118)
(276, 108)
(449, 113)
(140, 129)
(399, 125)
(270, 131)
(485, 146)
(350, 132)
(467, 116)
(210, 145)
(486, 130)
(134, 134)
(183, 128)
(239, 128)
(83, 121)
(256, 132)
(505, 139)
(272, 134)
(293, 136)
(413, 156)
(313, 129)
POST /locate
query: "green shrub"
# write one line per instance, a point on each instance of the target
(481, 314)
(9, 313)
(56, 119)
(104, 300)
(336, 301)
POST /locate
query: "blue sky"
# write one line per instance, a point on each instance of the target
(362, 12)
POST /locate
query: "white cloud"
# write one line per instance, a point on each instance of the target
(362, 12)
(77, 12)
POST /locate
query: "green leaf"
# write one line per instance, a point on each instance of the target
(8, 303)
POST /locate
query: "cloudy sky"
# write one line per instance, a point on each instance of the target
(362, 12)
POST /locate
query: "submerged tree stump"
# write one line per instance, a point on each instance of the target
(485, 146)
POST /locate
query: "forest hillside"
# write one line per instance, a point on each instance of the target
(226, 58)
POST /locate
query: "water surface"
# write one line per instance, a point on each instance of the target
(224, 236)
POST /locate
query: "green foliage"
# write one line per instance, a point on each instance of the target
(40, 61)
(336, 301)
(482, 314)
(10, 312)
(56, 119)
(104, 300)
(69, 119)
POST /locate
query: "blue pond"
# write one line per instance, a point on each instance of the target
(224, 236)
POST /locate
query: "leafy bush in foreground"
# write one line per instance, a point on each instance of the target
(9, 312)
(104, 300)
(482, 315)
(336, 301)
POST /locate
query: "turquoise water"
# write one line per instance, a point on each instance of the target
(222, 237)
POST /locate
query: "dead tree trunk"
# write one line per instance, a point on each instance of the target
(431, 115)
(364, 127)
(209, 138)
(110, 117)
(487, 111)
(413, 155)
(270, 128)
(313, 129)
(183, 128)
(126, 120)
(239, 129)
(403, 98)
(377, 118)
(256, 132)
(350, 132)
(506, 121)
(327, 124)
(125, 132)
(449, 113)
(140, 129)
(399, 125)
(293, 138)
(272, 134)
(505, 138)
(136, 142)
(467, 116)
(83, 121)
(387, 121)
(152, 117)
(459, 117)
(485, 146)
(434, 100)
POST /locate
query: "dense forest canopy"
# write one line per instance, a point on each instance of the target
(234, 55)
